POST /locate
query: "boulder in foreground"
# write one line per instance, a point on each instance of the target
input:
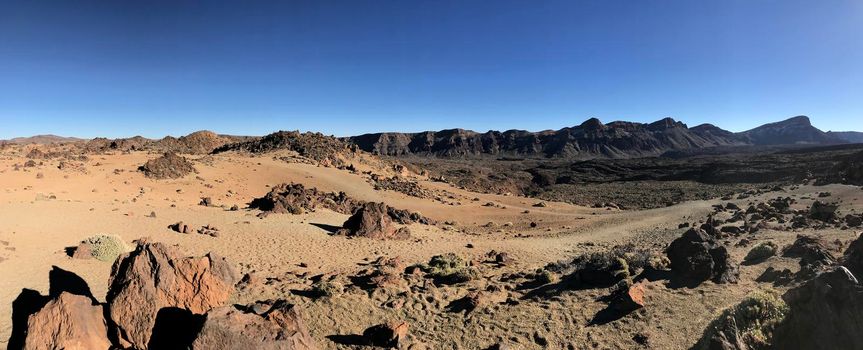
(154, 277)
(68, 322)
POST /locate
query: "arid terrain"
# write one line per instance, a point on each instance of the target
(462, 254)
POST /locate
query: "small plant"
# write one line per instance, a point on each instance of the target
(544, 276)
(450, 268)
(106, 247)
(761, 252)
(606, 268)
(751, 322)
(327, 289)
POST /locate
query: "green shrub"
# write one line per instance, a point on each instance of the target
(750, 322)
(761, 252)
(608, 267)
(106, 247)
(450, 268)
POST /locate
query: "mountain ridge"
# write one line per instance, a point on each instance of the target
(592, 138)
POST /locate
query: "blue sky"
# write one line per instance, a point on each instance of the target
(154, 68)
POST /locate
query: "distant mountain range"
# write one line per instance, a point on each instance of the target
(590, 139)
(42, 140)
(594, 139)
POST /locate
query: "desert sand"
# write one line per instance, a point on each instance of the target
(42, 216)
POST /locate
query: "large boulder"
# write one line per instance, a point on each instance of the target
(70, 322)
(823, 211)
(262, 325)
(814, 256)
(853, 259)
(824, 313)
(372, 220)
(155, 278)
(697, 257)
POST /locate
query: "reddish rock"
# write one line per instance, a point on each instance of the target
(155, 276)
(69, 322)
(630, 300)
(372, 221)
(83, 251)
(386, 335)
(262, 325)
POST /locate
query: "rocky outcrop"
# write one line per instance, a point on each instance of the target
(697, 257)
(70, 322)
(590, 139)
(372, 221)
(168, 166)
(297, 199)
(824, 313)
(154, 277)
(319, 148)
(272, 324)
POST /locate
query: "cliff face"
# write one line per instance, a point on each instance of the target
(594, 139)
(590, 139)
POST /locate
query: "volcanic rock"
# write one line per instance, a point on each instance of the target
(69, 322)
(823, 211)
(697, 257)
(271, 324)
(168, 166)
(386, 335)
(824, 313)
(372, 221)
(154, 277)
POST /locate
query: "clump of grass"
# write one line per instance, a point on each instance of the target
(750, 322)
(450, 268)
(543, 277)
(327, 289)
(106, 247)
(761, 252)
(606, 268)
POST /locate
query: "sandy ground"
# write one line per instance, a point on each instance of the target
(41, 216)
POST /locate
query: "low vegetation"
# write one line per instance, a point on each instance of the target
(751, 322)
(106, 247)
(761, 252)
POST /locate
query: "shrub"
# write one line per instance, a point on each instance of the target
(544, 277)
(327, 289)
(450, 268)
(761, 252)
(608, 267)
(106, 247)
(750, 322)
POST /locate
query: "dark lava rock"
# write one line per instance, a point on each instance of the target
(824, 313)
(697, 257)
(168, 166)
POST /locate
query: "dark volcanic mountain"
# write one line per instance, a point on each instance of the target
(592, 139)
(794, 131)
(847, 136)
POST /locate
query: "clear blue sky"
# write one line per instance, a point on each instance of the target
(121, 68)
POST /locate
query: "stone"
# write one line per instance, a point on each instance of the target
(154, 277)
(386, 335)
(697, 257)
(271, 324)
(68, 322)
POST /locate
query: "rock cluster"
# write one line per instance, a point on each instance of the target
(158, 299)
(168, 166)
(297, 199)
